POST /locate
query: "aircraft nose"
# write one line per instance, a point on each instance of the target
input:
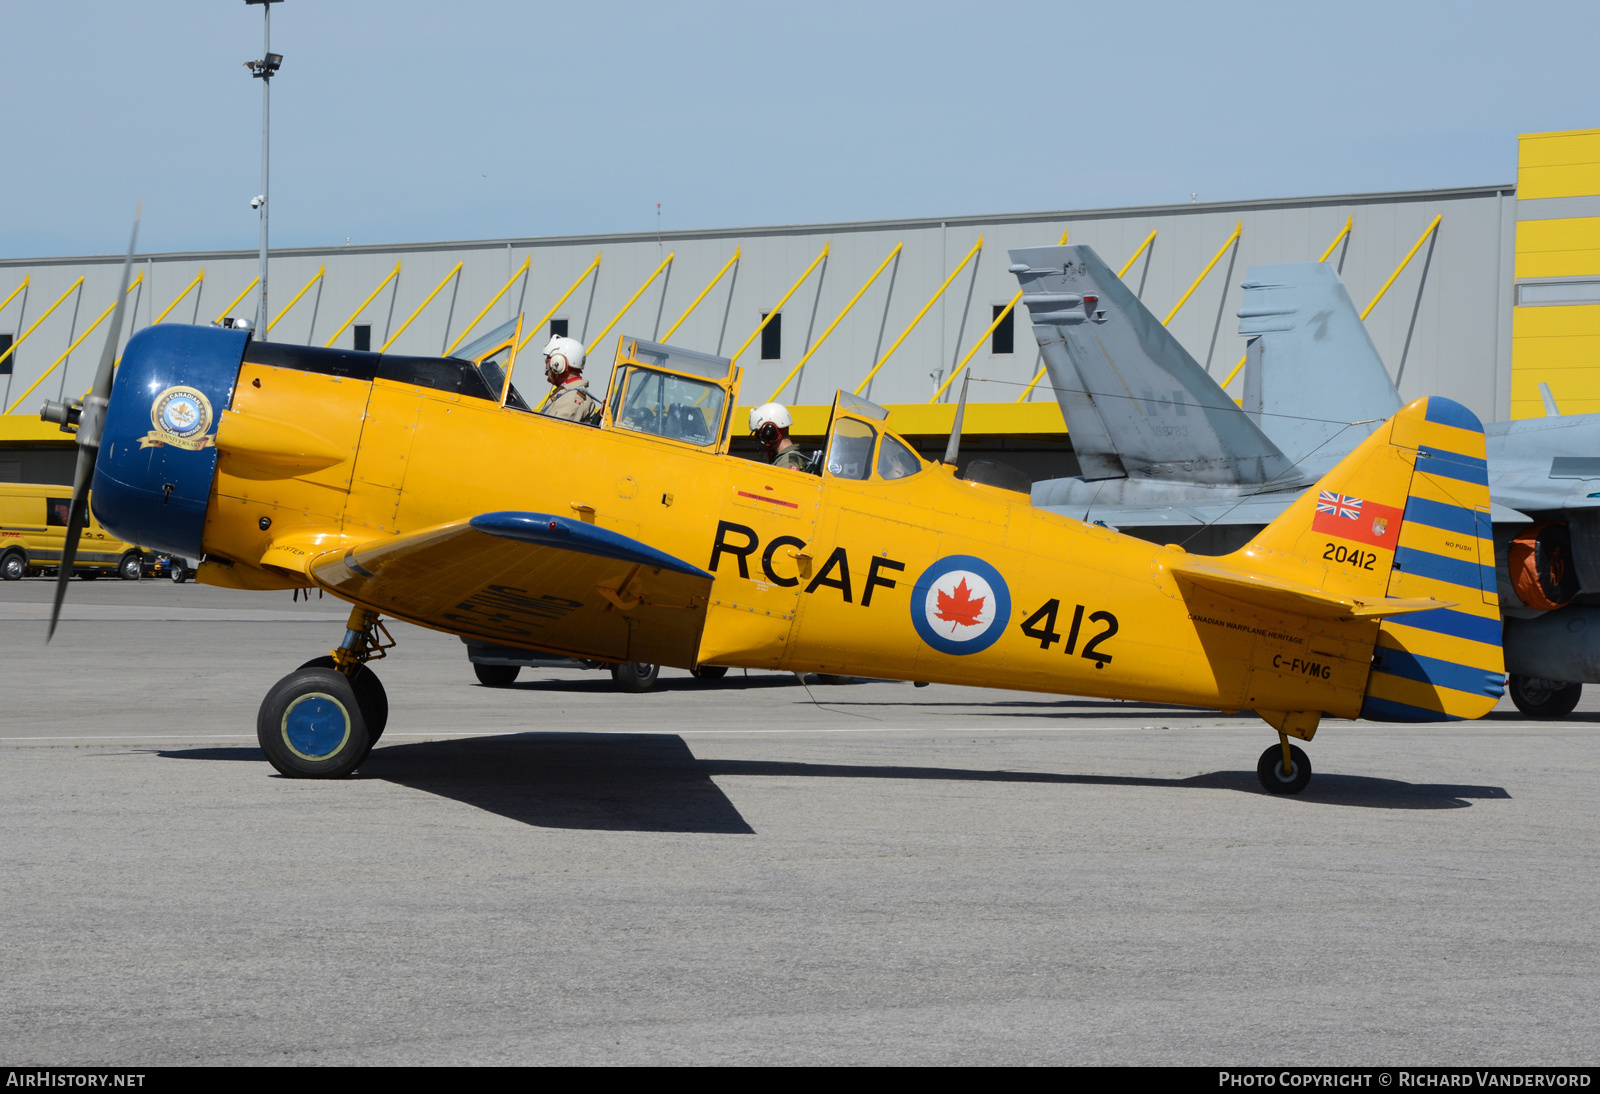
(158, 450)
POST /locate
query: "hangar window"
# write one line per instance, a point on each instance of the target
(1571, 291)
(363, 336)
(1002, 340)
(772, 338)
(558, 328)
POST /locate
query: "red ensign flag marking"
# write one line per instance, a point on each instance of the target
(1357, 519)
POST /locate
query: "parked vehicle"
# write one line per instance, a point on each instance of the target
(33, 532)
(499, 666)
(175, 567)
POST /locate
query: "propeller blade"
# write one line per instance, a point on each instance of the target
(90, 423)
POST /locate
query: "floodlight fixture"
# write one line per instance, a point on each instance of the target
(264, 70)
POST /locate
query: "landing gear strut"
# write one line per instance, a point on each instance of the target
(321, 720)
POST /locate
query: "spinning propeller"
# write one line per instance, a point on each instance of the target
(89, 415)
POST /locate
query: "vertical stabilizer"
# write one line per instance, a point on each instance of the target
(1406, 515)
(1311, 368)
(1134, 400)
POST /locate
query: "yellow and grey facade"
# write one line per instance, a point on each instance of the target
(1556, 321)
(1477, 292)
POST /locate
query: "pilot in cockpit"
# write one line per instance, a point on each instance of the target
(770, 424)
(569, 396)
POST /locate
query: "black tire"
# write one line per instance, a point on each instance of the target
(310, 725)
(88, 575)
(179, 574)
(635, 676)
(13, 567)
(1545, 699)
(131, 567)
(1270, 770)
(370, 694)
(709, 673)
(496, 676)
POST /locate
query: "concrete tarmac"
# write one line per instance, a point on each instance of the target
(755, 871)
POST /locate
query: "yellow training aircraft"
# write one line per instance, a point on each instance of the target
(425, 489)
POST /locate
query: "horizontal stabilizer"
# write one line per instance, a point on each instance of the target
(1298, 599)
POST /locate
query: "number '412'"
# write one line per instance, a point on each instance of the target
(1041, 626)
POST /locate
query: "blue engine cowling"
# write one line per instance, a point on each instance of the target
(157, 452)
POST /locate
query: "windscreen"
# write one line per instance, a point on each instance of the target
(481, 344)
(494, 374)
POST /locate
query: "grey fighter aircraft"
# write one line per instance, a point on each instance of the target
(1165, 454)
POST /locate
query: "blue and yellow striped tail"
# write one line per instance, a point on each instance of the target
(1446, 664)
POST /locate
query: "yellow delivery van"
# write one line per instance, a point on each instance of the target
(33, 533)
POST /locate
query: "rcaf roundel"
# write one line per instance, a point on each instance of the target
(960, 605)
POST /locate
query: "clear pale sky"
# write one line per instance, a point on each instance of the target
(410, 120)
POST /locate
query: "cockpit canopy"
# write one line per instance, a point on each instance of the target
(853, 437)
(670, 392)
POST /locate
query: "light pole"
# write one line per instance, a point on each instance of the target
(264, 70)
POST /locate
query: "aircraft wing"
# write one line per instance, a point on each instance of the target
(1126, 508)
(533, 581)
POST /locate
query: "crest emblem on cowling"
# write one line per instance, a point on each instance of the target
(182, 418)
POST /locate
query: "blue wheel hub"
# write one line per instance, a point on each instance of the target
(316, 726)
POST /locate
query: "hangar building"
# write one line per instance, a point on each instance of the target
(1478, 292)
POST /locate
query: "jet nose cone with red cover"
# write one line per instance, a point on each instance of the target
(158, 452)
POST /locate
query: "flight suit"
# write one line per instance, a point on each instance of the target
(573, 402)
(792, 458)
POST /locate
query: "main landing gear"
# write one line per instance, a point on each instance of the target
(1284, 768)
(321, 720)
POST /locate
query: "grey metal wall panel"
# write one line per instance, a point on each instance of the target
(1443, 326)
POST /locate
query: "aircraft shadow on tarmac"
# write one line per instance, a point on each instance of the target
(601, 684)
(652, 782)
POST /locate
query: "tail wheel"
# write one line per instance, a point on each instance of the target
(635, 676)
(311, 727)
(1278, 781)
(496, 676)
(370, 694)
(13, 567)
(1539, 698)
(131, 567)
(709, 672)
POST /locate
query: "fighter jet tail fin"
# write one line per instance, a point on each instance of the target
(1403, 518)
(1136, 403)
(1310, 367)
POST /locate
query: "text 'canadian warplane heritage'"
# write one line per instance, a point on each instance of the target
(416, 488)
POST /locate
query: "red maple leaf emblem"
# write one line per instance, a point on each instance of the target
(960, 607)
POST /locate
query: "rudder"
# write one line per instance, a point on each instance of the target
(1442, 665)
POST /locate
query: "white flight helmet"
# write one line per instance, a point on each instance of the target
(770, 413)
(569, 350)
